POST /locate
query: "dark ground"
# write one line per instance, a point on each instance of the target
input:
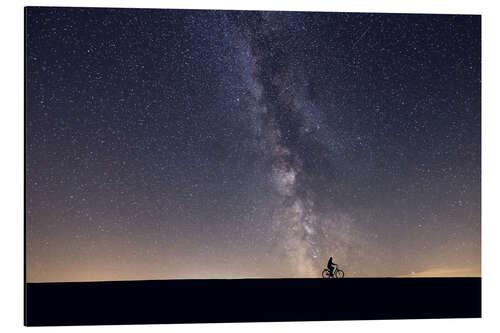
(246, 300)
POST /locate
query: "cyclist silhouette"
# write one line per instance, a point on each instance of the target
(332, 271)
(330, 265)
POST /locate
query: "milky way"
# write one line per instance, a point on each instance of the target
(166, 144)
(281, 115)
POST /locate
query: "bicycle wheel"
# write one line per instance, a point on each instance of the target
(339, 274)
(325, 274)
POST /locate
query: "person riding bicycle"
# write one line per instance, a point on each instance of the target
(331, 265)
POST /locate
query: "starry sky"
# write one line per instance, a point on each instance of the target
(184, 144)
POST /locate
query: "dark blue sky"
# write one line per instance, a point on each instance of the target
(195, 144)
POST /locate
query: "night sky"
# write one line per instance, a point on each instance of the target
(167, 144)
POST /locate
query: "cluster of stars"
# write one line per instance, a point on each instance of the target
(227, 144)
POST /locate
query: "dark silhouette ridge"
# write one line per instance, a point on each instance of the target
(248, 300)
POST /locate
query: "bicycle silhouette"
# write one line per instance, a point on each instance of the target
(336, 273)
